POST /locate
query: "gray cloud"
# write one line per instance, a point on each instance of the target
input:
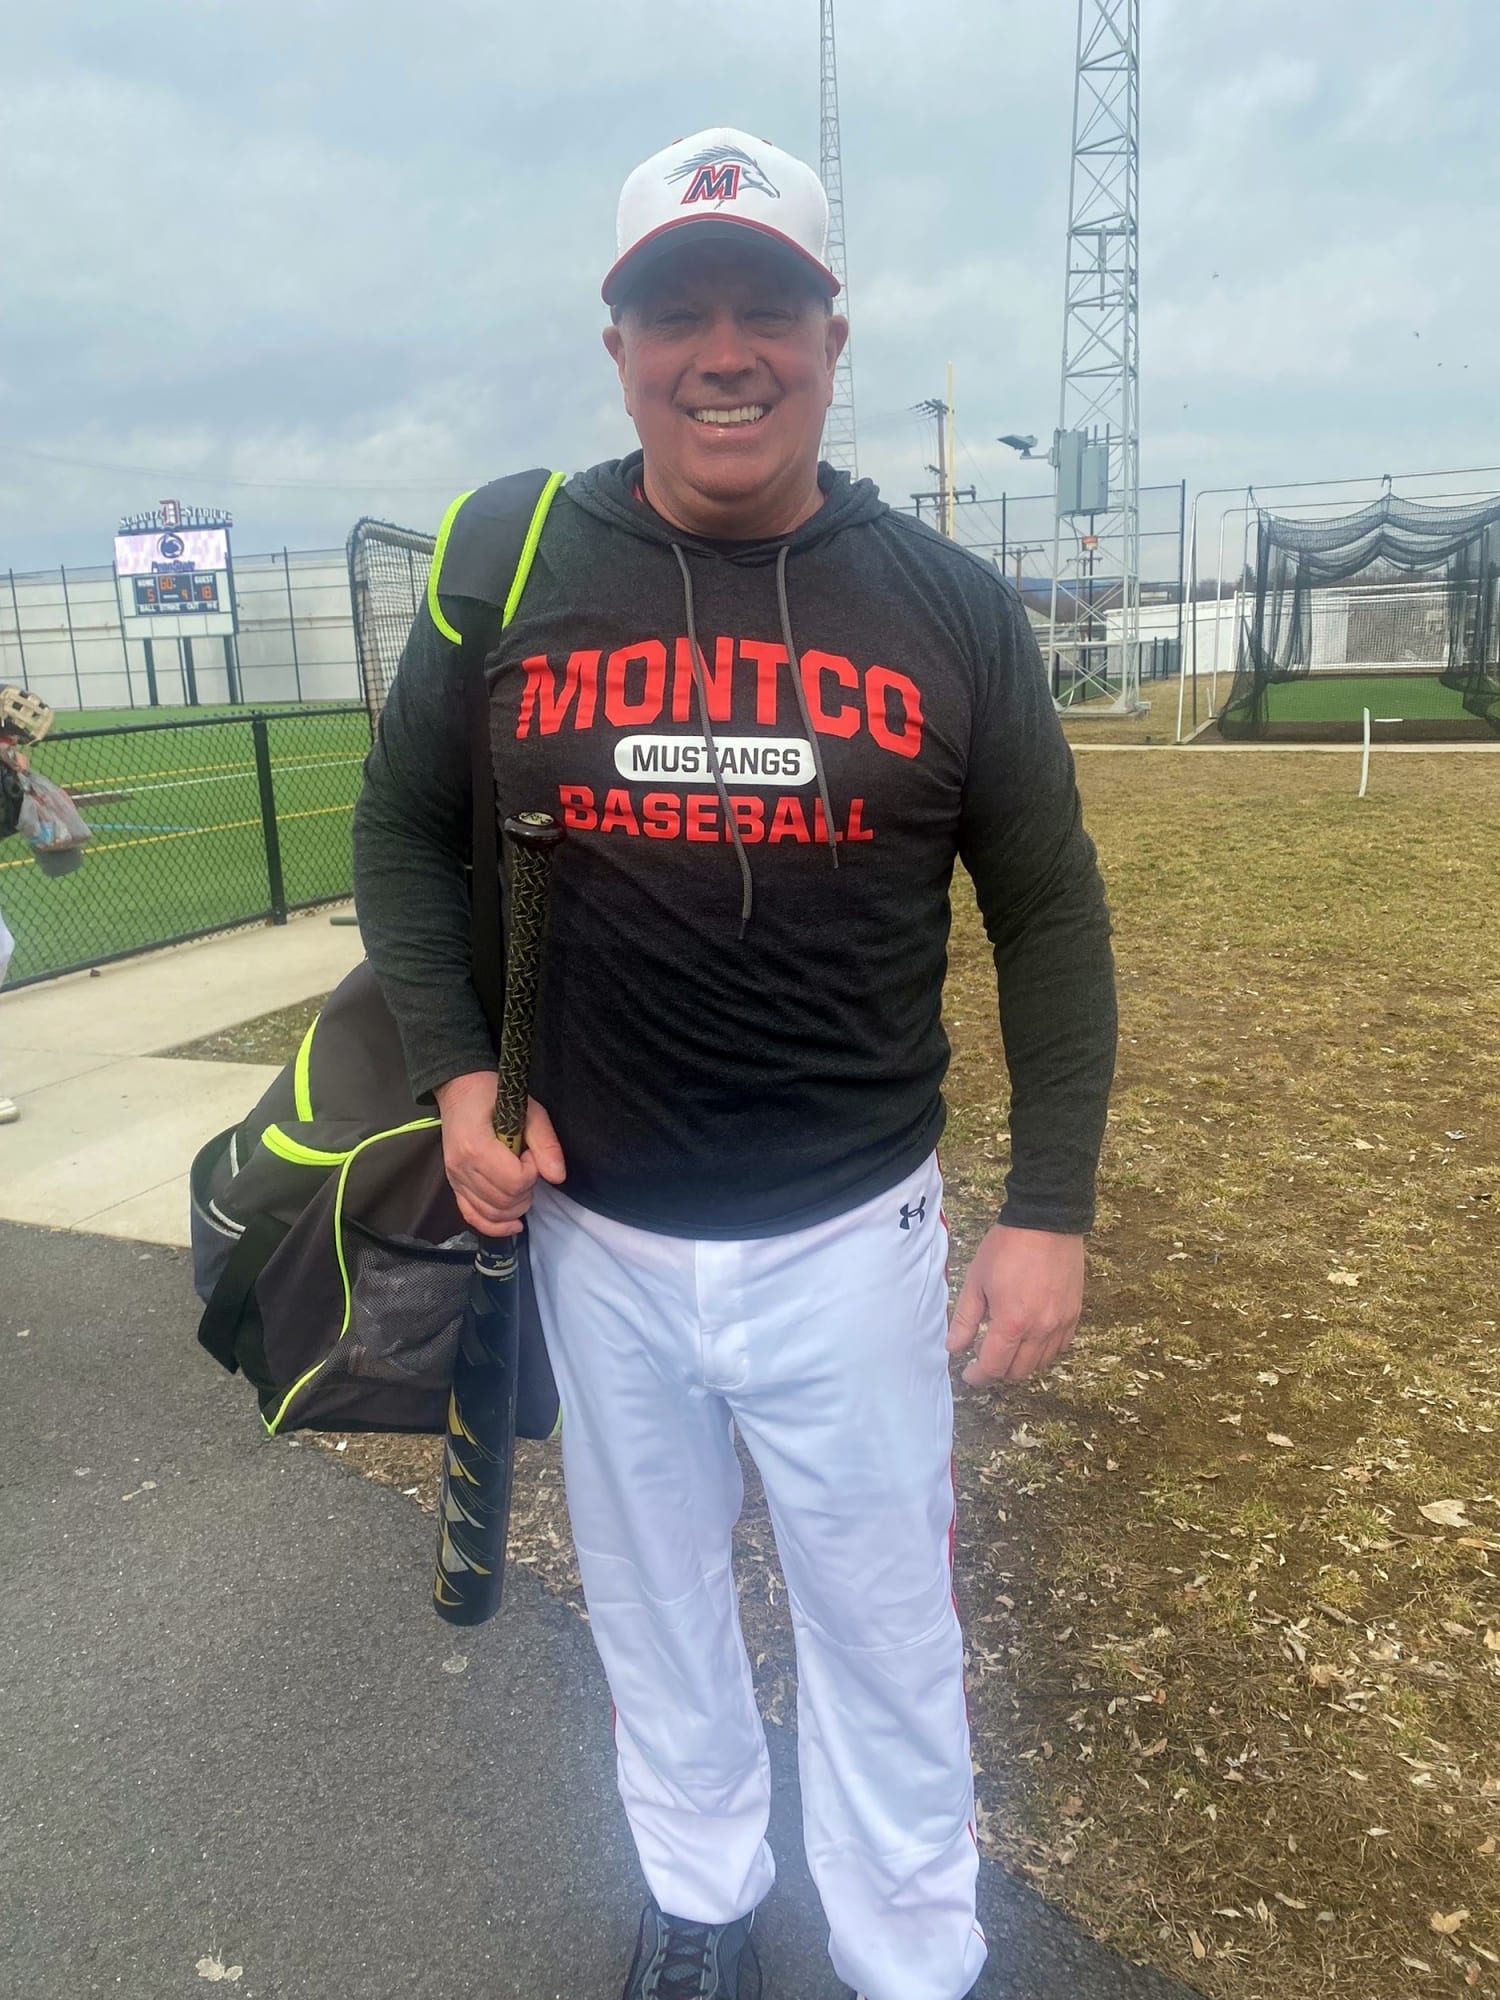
(317, 260)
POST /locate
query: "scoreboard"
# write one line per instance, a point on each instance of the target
(175, 582)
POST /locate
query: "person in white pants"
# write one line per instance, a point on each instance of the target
(772, 714)
(826, 1349)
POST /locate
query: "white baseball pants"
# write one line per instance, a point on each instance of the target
(825, 1348)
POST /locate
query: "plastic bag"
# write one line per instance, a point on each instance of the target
(49, 822)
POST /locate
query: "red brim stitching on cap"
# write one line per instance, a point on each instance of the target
(610, 286)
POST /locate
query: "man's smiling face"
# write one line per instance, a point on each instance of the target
(726, 354)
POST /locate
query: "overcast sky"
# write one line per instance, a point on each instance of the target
(309, 259)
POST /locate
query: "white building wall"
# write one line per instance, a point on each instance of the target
(61, 636)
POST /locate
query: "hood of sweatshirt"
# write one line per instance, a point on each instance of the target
(611, 493)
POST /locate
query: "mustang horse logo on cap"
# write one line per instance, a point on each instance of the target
(717, 176)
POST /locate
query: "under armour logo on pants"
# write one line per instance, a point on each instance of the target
(909, 1215)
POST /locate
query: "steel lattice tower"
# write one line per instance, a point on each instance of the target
(1100, 362)
(839, 443)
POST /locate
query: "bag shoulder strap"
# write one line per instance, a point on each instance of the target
(221, 1329)
(485, 549)
(486, 545)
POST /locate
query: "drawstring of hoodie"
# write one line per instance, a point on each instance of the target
(700, 670)
(801, 692)
(747, 895)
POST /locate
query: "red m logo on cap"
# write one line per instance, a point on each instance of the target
(719, 181)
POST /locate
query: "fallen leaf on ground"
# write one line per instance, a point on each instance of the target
(1446, 1513)
(215, 1969)
(1276, 1438)
(1446, 1926)
(1343, 1277)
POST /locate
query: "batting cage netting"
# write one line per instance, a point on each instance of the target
(387, 586)
(1396, 607)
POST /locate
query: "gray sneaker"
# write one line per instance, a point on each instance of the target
(676, 1960)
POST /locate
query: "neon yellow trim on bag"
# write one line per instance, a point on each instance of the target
(523, 567)
(438, 552)
(286, 1148)
(529, 546)
(301, 1082)
(273, 1424)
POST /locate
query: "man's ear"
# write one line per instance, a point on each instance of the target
(614, 341)
(838, 339)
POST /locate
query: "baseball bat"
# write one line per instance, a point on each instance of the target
(479, 1449)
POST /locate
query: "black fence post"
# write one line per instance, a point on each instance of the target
(62, 570)
(291, 621)
(153, 698)
(189, 673)
(268, 825)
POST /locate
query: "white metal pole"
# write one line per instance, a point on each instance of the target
(1364, 762)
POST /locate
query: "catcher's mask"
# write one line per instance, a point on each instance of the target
(24, 717)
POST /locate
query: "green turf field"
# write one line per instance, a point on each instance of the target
(1345, 697)
(178, 842)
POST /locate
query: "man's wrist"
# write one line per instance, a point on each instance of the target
(469, 1083)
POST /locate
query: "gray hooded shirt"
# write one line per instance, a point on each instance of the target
(739, 1030)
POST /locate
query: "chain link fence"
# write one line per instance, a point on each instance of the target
(198, 826)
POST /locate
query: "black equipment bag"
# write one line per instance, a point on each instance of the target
(328, 1247)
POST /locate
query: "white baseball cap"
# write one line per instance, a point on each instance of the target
(720, 182)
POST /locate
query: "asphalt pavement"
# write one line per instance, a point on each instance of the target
(237, 1749)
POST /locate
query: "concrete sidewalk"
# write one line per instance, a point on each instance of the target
(109, 1127)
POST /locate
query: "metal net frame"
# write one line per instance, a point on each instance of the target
(388, 569)
(1399, 587)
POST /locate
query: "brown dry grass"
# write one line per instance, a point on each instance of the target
(1089, 723)
(1236, 1701)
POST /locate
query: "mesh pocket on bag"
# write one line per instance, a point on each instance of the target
(408, 1307)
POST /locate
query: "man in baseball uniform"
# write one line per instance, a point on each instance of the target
(773, 714)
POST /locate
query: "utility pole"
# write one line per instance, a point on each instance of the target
(937, 409)
(1096, 451)
(840, 447)
(945, 501)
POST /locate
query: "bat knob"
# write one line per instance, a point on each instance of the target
(536, 830)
